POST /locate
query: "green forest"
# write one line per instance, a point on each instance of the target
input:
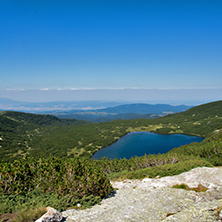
(46, 161)
(24, 134)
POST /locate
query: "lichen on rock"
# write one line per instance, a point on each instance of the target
(52, 215)
(155, 200)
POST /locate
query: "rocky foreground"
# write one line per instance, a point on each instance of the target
(155, 200)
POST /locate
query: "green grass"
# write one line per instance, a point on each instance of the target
(199, 188)
(30, 215)
(164, 170)
(37, 199)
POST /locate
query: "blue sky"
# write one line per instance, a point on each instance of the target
(152, 44)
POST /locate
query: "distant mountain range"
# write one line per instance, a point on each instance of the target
(38, 107)
(141, 108)
(95, 111)
(127, 111)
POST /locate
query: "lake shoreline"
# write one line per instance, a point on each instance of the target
(188, 134)
(144, 132)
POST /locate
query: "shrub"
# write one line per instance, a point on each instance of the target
(66, 181)
(164, 170)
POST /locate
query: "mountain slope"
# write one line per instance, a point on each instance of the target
(28, 118)
(127, 111)
(27, 134)
(17, 130)
(99, 117)
(142, 108)
(199, 120)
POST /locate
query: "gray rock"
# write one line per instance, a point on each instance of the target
(155, 200)
(68, 213)
(51, 215)
(220, 215)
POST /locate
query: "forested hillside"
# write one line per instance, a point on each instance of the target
(48, 170)
(199, 120)
(31, 119)
(28, 134)
(17, 130)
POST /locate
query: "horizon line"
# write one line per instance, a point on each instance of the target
(92, 89)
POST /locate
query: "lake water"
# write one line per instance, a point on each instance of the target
(139, 143)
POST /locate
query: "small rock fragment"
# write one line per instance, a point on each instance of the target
(52, 215)
(220, 215)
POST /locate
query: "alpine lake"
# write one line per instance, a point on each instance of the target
(141, 143)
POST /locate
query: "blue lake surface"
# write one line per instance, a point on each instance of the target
(139, 143)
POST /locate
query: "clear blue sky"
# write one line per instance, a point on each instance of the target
(147, 44)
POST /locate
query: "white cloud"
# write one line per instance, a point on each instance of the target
(89, 89)
(74, 89)
(84, 89)
(15, 89)
(135, 88)
(45, 89)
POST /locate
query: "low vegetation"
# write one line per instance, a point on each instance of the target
(60, 183)
(25, 134)
(199, 188)
(161, 170)
(210, 149)
(44, 161)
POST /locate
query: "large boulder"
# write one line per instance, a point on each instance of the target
(155, 200)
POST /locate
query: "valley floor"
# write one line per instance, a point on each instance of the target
(155, 200)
